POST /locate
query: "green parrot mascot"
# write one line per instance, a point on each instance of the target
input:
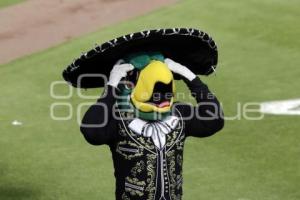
(137, 116)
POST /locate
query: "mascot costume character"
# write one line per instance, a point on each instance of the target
(137, 115)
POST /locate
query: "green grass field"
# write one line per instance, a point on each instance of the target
(4, 3)
(259, 49)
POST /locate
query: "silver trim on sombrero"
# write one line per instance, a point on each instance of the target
(144, 34)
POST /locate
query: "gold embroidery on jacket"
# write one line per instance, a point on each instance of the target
(129, 149)
(125, 197)
(134, 186)
(138, 168)
(172, 172)
(151, 173)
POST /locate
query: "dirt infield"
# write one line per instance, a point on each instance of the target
(38, 24)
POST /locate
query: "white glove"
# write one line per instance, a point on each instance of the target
(180, 69)
(119, 71)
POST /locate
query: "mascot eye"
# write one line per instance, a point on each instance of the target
(129, 85)
(132, 76)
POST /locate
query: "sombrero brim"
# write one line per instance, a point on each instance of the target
(190, 47)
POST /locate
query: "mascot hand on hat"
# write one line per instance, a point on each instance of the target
(180, 69)
(118, 72)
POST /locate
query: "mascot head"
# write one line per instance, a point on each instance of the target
(148, 89)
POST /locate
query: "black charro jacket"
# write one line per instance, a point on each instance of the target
(142, 171)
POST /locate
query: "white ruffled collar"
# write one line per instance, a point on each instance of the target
(157, 130)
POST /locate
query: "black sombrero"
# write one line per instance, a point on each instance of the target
(187, 46)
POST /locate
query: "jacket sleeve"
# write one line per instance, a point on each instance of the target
(204, 119)
(98, 124)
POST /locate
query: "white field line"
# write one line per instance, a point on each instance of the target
(16, 123)
(284, 107)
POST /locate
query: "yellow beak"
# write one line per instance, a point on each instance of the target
(156, 71)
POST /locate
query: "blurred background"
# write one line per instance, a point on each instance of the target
(42, 152)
